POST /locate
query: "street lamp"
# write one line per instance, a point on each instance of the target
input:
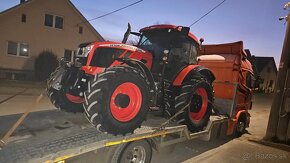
(279, 124)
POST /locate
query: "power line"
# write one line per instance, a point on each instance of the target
(207, 13)
(114, 11)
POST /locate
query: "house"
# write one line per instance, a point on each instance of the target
(34, 26)
(251, 58)
(267, 70)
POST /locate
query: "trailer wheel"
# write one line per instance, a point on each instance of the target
(198, 94)
(241, 126)
(134, 152)
(117, 100)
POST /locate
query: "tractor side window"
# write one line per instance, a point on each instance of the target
(183, 51)
(145, 41)
(104, 57)
(193, 53)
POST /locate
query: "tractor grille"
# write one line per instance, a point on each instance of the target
(104, 57)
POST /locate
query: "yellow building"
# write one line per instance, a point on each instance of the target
(33, 26)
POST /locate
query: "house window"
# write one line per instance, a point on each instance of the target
(58, 22)
(48, 20)
(53, 21)
(23, 49)
(68, 54)
(12, 48)
(271, 83)
(262, 81)
(80, 30)
(23, 18)
(18, 49)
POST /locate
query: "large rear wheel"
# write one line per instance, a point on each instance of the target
(117, 100)
(197, 95)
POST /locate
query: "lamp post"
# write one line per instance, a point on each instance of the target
(279, 121)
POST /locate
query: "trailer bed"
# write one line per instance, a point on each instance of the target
(51, 146)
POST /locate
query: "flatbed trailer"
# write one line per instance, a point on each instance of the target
(63, 146)
(66, 147)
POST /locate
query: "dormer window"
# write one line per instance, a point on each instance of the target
(23, 18)
(80, 30)
(53, 21)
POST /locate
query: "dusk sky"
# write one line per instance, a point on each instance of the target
(253, 21)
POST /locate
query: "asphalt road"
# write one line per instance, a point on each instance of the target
(46, 119)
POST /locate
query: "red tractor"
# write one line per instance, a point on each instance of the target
(116, 84)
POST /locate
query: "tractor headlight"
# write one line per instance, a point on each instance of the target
(84, 51)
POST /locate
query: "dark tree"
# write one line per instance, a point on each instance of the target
(45, 63)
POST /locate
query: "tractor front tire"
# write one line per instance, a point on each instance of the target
(197, 95)
(61, 101)
(117, 100)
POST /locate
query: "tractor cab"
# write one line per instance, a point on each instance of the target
(170, 45)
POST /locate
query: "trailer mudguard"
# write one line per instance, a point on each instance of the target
(190, 70)
(233, 123)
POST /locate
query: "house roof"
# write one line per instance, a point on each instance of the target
(84, 20)
(15, 7)
(262, 62)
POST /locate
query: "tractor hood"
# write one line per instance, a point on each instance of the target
(105, 54)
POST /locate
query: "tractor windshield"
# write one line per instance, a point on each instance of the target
(182, 49)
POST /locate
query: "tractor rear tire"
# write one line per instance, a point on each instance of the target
(117, 100)
(198, 94)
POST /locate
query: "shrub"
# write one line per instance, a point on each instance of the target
(45, 63)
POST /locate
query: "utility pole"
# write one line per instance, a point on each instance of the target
(279, 121)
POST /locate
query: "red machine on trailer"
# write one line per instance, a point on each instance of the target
(117, 84)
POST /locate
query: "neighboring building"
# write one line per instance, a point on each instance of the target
(251, 58)
(37, 25)
(267, 70)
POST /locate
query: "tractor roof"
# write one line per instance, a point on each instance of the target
(169, 26)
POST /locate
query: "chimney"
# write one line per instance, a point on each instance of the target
(22, 1)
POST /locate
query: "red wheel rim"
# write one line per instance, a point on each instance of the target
(74, 99)
(132, 107)
(196, 116)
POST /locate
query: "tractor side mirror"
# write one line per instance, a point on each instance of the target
(135, 33)
(201, 40)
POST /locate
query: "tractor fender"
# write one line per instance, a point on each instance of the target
(141, 66)
(190, 70)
